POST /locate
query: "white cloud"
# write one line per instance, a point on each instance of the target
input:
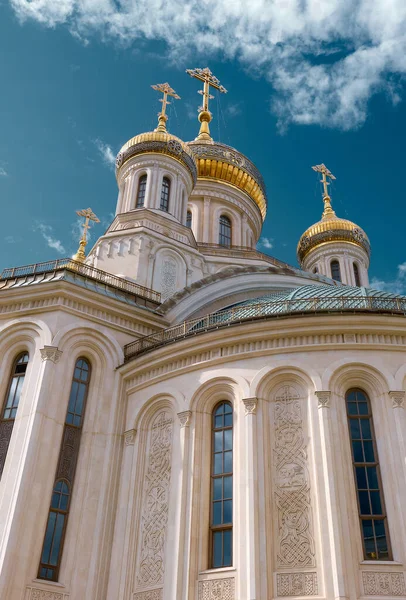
(265, 242)
(106, 151)
(397, 286)
(324, 60)
(233, 110)
(3, 172)
(46, 232)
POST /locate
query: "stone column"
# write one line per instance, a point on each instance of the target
(337, 563)
(398, 404)
(206, 221)
(251, 503)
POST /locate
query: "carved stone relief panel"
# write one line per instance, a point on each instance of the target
(150, 595)
(155, 507)
(295, 542)
(37, 594)
(383, 584)
(168, 278)
(296, 584)
(217, 589)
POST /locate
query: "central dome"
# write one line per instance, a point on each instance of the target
(220, 162)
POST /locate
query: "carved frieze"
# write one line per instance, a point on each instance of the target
(295, 542)
(184, 418)
(150, 595)
(168, 278)
(398, 399)
(217, 589)
(296, 584)
(324, 399)
(155, 508)
(38, 594)
(50, 353)
(383, 584)
(250, 405)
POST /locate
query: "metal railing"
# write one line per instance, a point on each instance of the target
(271, 308)
(84, 270)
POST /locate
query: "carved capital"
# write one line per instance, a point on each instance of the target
(324, 398)
(50, 353)
(250, 405)
(398, 399)
(129, 437)
(185, 417)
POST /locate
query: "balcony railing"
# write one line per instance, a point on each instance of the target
(266, 309)
(82, 269)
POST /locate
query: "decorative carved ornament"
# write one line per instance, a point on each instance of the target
(398, 399)
(129, 437)
(295, 542)
(250, 405)
(217, 589)
(324, 399)
(383, 584)
(296, 584)
(185, 417)
(50, 353)
(155, 508)
(150, 595)
(37, 594)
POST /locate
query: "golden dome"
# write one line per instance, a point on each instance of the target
(220, 162)
(331, 229)
(157, 142)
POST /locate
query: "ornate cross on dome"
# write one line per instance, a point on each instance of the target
(325, 173)
(208, 79)
(166, 90)
(89, 215)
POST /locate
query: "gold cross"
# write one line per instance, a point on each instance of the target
(89, 215)
(208, 79)
(325, 173)
(166, 90)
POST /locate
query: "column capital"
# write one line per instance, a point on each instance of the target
(50, 353)
(398, 398)
(185, 417)
(250, 406)
(129, 437)
(323, 398)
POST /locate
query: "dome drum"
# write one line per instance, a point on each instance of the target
(337, 233)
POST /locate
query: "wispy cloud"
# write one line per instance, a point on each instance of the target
(266, 243)
(233, 110)
(396, 286)
(47, 233)
(106, 152)
(324, 60)
(3, 172)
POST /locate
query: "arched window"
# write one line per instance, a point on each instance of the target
(335, 270)
(165, 191)
(225, 231)
(189, 219)
(315, 270)
(65, 473)
(221, 514)
(371, 506)
(142, 187)
(10, 405)
(356, 275)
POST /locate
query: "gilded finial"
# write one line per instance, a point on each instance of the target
(328, 211)
(166, 90)
(89, 215)
(205, 115)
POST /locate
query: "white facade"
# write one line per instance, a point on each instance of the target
(138, 525)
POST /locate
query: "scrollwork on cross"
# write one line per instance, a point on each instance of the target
(250, 406)
(398, 398)
(185, 417)
(324, 399)
(50, 353)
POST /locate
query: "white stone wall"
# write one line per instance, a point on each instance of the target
(346, 253)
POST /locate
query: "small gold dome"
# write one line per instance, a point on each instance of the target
(160, 142)
(331, 229)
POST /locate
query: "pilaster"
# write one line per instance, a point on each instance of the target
(206, 221)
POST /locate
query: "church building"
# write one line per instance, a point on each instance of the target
(186, 418)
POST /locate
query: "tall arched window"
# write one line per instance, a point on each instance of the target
(165, 192)
(356, 275)
(10, 405)
(371, 506)
(142, 187)
(225, 231)
(189, 219)
(335, 270)
(315, 270)
(65, 474)
(221, 515)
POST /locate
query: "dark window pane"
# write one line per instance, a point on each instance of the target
(72, 397)
(228, 547)
(228, 462)
(355, 429)
(188, 219)
(60, 519)
(219, 410)
(142, 186)
(218, 422)
(228, 408)
(225, 231)
(48, 537)
(217, 488)
(227, 511)
(366, 429)
(369, 541)
(228, 487)
(372, 478)
(356, 275)
(376, 503)
(364, 503)
(218, 464)
(369, 452)
(361, 478)
(352, 408)
(357, 450)
(381, 539)
(11, 394)
(228, 420)
(228, 439)
(218, 441)
(335, 270)
(216, 513)
(351, 396)
(217, 549)
(165, 191)
(363, 408)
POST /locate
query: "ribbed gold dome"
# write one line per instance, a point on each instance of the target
(331, 229)
(220, 162)
(157, 141)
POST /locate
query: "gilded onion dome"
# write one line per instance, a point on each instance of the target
(331, 229)
(220, 162)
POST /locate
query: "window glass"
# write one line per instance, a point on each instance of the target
(165, 192)
(189, 219)
(356, 275)
(142, 188)
(335, 270)
(225, 231)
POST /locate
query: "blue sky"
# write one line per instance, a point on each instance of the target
(308, 82)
